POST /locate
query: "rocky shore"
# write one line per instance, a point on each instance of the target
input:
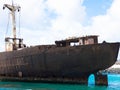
(115, 69)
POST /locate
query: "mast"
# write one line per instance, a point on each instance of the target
(12, 8)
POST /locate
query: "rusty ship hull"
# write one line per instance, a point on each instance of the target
(61, 62)
(51, 61)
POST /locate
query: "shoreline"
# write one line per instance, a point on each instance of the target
(115, 69)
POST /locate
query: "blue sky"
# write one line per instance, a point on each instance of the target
(44, 21)
(97, 7)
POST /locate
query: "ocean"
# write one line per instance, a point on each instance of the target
(113, 84)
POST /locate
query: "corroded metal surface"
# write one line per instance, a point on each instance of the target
(101, 79)
(52, 61)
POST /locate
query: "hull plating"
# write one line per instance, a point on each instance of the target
(52, 61)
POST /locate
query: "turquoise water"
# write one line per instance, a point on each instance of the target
(113, 79)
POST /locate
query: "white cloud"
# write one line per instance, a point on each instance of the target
(32, 13)
(107, 26)
(68, 9)
(70, 16)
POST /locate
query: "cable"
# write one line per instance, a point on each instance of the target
(7, 25)
(19, 34)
